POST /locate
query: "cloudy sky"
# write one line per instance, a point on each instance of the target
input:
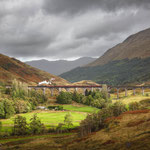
(68, 29)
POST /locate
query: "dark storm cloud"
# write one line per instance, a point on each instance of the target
(65, 29)
(80, 6)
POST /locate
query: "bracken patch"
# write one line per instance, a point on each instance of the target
(137, 111)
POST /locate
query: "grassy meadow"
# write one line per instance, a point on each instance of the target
(53, 118)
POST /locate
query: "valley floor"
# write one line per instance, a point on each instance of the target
(131, 130)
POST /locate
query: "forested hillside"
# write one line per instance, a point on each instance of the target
(114, 73)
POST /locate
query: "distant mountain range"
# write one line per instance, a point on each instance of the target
(60, 66)
(126, 63)
(11, 68)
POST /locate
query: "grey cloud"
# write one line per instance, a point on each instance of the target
(80, 6)
(114, 24)
(27, 32)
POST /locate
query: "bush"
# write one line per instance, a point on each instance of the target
(118, 108)
(68, 120)
(64, 98)
(134, 106)
(99, 103)
(77, 97)
(2, 111)
(59, 108)
(8, 108)
(89, 100)
(19, 89)
(145, 103)
(51, 107)
(36, 127)
(147, 94)
(22, 106)
(0, 125)
(55, 107)
(95, 121)
(20, 126)
(8, 91)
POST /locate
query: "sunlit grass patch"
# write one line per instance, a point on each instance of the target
(87, 109)
(49, 118)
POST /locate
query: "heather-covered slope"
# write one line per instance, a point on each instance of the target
(11, 68)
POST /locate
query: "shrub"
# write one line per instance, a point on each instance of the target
(64, 98)
(59, 108)
(0, 125)
(8, 91)
(147, 94)
(2, 111)
(55, 107)
(118, 108)
(134, 106)
(145, 103)
(94, 122)
(19, 89)
(97, 121)
(77, 97)
(99, 103)
(89, 100)
(8, 108)
(22, 106)
(36, 127)
(60, 128)
(20, 126)
(68, 120)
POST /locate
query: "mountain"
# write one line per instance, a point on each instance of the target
(11, 68)
(126, 63)
(60, 66)
(135, 46)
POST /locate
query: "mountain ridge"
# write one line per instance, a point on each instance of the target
(59, 66)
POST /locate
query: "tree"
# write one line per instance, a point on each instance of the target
(89, 100)
(77, 97)
(36, 127)
(20, 126)
(8, 108)
(64, 98)
(86, 92)
(2, 112)
(68, 120)
(0, 125)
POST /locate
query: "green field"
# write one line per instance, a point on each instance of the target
(86, 109)
(53, 118)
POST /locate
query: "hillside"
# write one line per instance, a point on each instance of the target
(135, 46)
(85, 83)
(131, 130)
(126, 63)
(11, 68)
(60, 66)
